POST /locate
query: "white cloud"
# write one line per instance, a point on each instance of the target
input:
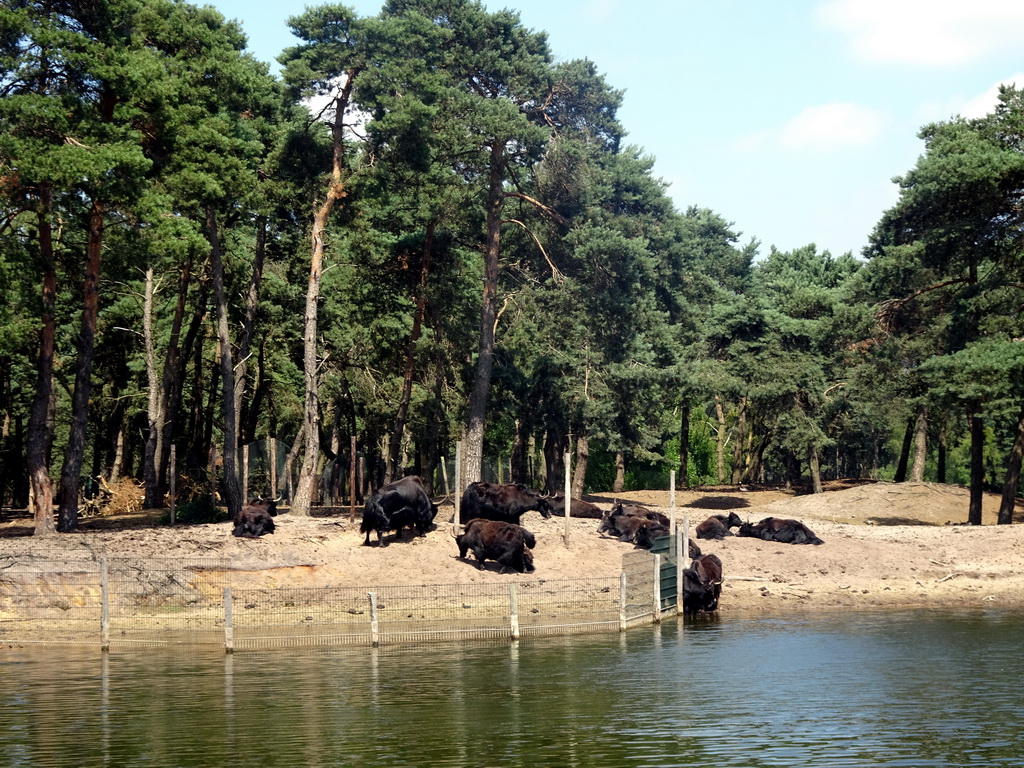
(985, 103)
(932, 32)
(832, 125)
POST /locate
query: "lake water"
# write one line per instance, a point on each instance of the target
(849, 689)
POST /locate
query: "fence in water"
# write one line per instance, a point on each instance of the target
(121, 602)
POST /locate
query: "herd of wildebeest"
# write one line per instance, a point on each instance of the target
(490, 514)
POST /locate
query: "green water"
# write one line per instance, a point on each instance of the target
(852, 689)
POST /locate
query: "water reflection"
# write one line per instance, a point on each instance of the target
(920, 689)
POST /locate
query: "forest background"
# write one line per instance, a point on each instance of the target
(457, 244)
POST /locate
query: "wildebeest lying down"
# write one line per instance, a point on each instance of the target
(702, 584)
(717, 526)
(782, 531)
(579, 508)
(638, 525)
(256, 518)
(398, 505)
(506, 543)
(507, 503)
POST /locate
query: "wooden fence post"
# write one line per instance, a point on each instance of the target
(681, 552)
(374, 624)
(657, 589)
(229, 626)
(352, 480)
(457, 495)
(174, 480)
(622, 601)
(568, 495)
(245, 474)
(513, 609)
(104, 605)
(672, 500)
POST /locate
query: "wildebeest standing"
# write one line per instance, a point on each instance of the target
(506, 543)
(395, 506)
(507, 503)
(782, 531)
(718, 526)
(256, 518)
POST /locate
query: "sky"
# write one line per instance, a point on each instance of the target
(789, 119)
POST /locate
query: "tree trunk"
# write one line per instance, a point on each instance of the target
(720, 442)
(737, 450)
(620, 472)
(40, 424)
(402, 416)
(74, 454)
(814, 464)
(474, 445)
(1012, 480)
(920, 445)
(519, 463)
(940, 469)
(683, 479)
(232, 490)
(580, 472)
(555, 445)
(755, 466)
(901, 468)
(311, 409)
(153, 496)
(977, 469)
(249, 321)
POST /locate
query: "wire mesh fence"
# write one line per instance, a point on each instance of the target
(77, 598)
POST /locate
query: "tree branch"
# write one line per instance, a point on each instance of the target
(555, 273)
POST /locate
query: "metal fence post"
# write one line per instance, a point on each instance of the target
(374, 624)
(229, 627)
(513, 609)
(622, 601)
(104, 605)
(657, 589)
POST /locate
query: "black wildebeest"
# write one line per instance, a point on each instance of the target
(256, 518)
(782, 531)
(506, 543)
(702, 584)
(717, 526)
(579, 508)
(395, 506)
(506, 503)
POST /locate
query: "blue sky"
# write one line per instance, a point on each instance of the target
(789, 119)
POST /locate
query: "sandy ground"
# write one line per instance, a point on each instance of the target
(885, 545)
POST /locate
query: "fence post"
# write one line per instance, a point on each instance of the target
(174, 481)
(622, 601)
(272, 457)
(229, 627)
(568, 495)
(352, 480)
(513, 609)
(681, 552)
(104, 605)
(657, 589)
(672, 500)
(245, 474)
(457, 495)
(374, 625)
